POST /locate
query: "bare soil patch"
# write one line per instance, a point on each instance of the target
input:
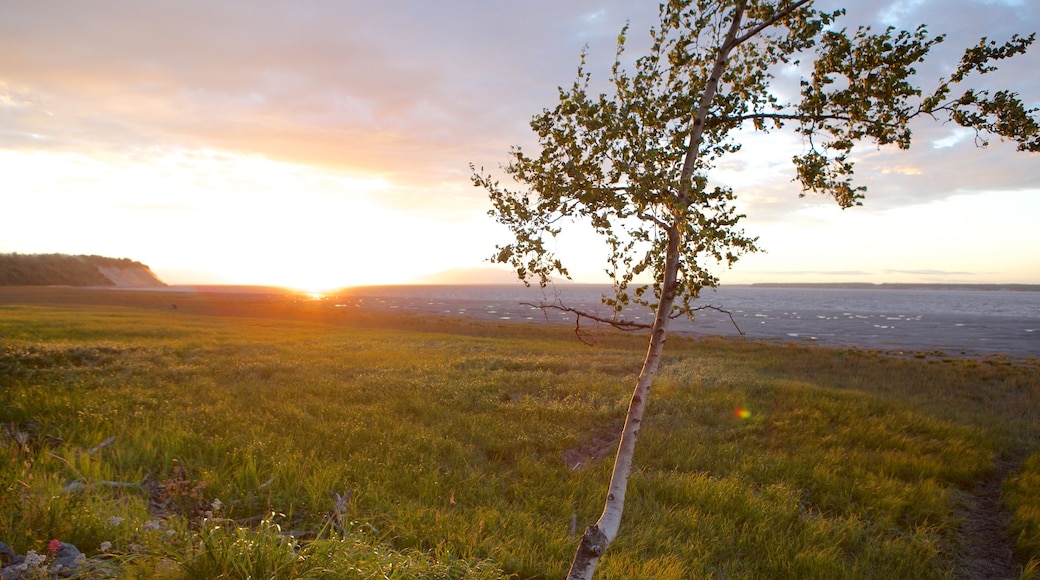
(603, 443)
(986, 546)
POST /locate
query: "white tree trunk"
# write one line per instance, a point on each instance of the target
(599, 536)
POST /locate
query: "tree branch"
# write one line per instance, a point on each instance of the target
(623, 325)
(710, 89)
(767, 23)
(84, 484)
(723, 311)
(781, 116)
(651, 218)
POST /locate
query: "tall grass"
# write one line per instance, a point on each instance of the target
(448, 437)
(1022, 494)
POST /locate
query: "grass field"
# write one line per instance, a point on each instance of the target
(270, 438)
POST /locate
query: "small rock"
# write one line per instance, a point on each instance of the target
(67, 559)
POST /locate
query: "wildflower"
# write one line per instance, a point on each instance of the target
(105, 546)
(115, 520)
(151, 525)
(216, 505)
(53, 546)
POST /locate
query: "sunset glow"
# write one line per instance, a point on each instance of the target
(312, 149)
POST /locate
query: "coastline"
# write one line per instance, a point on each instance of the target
(897, 320)
(897, 286)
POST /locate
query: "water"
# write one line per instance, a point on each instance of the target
(968, 322)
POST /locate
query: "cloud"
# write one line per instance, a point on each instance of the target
(409, 88)
(813, 273)
(930, 273)
(405, 91)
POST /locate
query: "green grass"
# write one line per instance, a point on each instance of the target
(449, 436)
(1022, 494)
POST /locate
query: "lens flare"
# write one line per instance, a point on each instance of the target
(741, 413)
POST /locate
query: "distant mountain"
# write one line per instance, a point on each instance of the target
(66, 270)
(476, 277)
(469, 276)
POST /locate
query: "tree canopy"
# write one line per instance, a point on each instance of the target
(636, 163)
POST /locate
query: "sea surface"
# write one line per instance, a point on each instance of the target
(955, 321)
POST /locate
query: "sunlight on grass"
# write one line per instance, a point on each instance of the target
(1022, 495)
(272, 447)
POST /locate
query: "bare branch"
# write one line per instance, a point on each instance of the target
(619, 324)
(85, 484)
(724, 311)
(683, 313)
(101, 445)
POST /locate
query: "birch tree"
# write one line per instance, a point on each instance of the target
(636, 163)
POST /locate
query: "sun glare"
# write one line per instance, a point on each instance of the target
(317, 288)
(317, 285)
(313, 295)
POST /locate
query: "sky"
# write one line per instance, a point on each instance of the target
(317, 144)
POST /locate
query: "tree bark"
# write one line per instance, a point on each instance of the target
(598, 537)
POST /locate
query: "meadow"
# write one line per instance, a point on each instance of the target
(289, 439)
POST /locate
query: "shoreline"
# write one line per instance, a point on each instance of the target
(949, 335)
(270, 289)
(898, 286)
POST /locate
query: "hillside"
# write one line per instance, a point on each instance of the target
(66, 270)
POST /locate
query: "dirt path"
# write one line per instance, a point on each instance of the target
(602, 445)
(985, 541)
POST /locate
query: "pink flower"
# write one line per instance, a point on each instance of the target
(53, 546)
